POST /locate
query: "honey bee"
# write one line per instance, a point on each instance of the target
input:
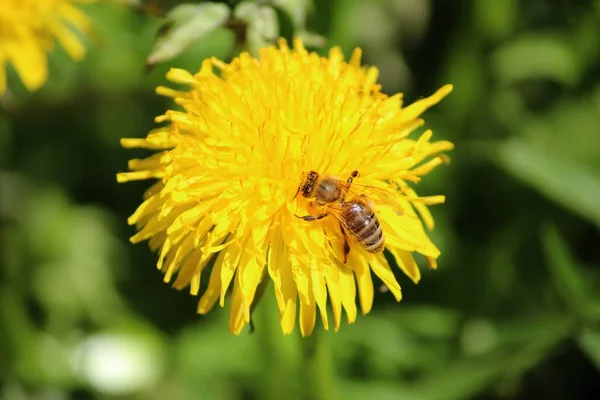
(355, 213)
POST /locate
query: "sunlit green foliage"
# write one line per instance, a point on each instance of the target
(513, 311)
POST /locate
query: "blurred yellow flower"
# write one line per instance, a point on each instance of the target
(28, 29)
(233, 159)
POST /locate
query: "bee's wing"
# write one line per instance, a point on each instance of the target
(376, 195)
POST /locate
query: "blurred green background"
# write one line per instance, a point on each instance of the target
(513, 311)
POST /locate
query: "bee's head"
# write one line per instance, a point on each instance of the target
(308, 184)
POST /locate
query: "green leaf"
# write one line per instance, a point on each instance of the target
(311, 39)
(153, 7)
(296, 9)
(548, 169)
(527, 328)
(536, 57)
(496, 19)
(414, 338)
(375, 389)
(466, 377)
(567, 279)
(428, 321)
(186, 24)
(461, 381)
(262, 25)
(589, 342)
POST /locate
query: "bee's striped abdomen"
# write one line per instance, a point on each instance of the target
(362, 223)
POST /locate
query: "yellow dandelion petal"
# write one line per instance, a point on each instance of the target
(28, 30)
(364, 283)
(236, 197)
(407, 263)
(213, 291)
(381, 268)
(236, 316)
(308, 315)
(342, 293)
(280, 271)
(427, 167)
(334, 298)
(319, 290)
(189, 271)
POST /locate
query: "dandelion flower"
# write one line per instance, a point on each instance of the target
(230, 163)
(28, 29)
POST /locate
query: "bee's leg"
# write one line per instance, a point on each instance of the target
(353, 175)
(346, 244)
(311, 218)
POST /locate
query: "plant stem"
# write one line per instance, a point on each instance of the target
(318, 367)
(280, 360)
